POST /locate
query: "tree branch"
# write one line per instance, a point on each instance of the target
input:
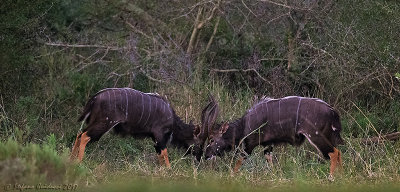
(137, 30)
(111, 48)
(194, 32)
(241, 70)
(284, 5)
(150, 77)
(213, 34)
(198, 24)
(93, 62)
(147, 18)
(381, 138)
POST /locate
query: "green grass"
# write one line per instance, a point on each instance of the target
(155, 184)
(33, 164)
(120, 164)
(366, 168)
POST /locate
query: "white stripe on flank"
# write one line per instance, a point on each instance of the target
(112, 127)
(297, 115)
(279, 113)
(87, 115)
(267, 99)
(248, 122)
(169, 113)
(130, 98)
(84, 120)
(255, 112)
(170, 138)
(266, 115)
(115, 102)
(169, 110)
(155, 108)
(130, 93)
(141, 115)
(127, 104)
(309, 140)
(109, 99)
(163, 108)
(148, 117)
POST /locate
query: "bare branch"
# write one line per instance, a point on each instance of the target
(240, 70)
(284, 5)
(93, 62)
(150, 77)
(192, 8)
(381, 138)
(194, 32)
(198, 24)
(244, 4)
(111, 48)
(213, 34)
(137, 30)
(318, 49)
(278, 17)
(147, 18)
(201, 24)
(273, 59)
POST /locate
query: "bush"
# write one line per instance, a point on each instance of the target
(34, 163)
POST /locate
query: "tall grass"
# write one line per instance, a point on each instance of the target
(33, 164)
(122, 157)
(212, 184)
(113, 158)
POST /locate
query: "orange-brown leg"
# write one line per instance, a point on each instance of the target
(238, 164)
(269, 159)
(74, 152)
(334, 157)
(164, 155)
(84, 140)
(161, 159)
(340, 161)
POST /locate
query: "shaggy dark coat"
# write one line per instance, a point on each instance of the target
(286, 120)
(131, 112)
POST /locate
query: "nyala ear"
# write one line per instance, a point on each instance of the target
(224, 128)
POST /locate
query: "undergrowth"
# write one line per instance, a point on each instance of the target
(113, 158)
(37, 163)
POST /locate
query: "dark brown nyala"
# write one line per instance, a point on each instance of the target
(130, 112)
(286, 120)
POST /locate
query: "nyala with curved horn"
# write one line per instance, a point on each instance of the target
(131, 112)
(208, 118)
(286, 120)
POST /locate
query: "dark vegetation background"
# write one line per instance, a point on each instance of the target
(55, 54)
